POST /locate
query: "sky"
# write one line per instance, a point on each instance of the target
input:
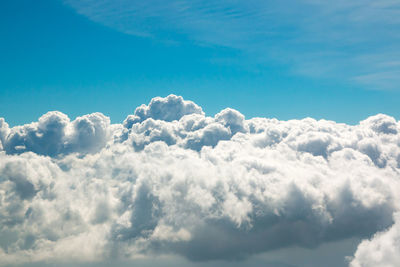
(277, 59)
(199, 133)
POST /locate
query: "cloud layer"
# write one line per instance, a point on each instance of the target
(170, 180)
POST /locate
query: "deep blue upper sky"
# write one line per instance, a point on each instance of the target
(283, 59)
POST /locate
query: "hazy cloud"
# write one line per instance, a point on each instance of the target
(354, 41)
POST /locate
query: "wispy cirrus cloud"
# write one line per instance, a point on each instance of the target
(288, 32)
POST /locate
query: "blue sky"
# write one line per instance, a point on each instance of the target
(284, 59)
(152, 142)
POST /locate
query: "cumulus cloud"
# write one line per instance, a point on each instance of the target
(55, 134)
(169, 108)
(170, 180)
(382, 250)
(4, 129)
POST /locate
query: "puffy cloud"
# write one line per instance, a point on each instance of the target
(150, 130)
(89, 133)
(207, 136)
(43, 137)
(382, 250)
(169, 108)
(4, 129)
(382, 124)
(206, 188)
(55, 134)
(176, 121)
(232, 119)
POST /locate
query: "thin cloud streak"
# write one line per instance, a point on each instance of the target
(270, 31)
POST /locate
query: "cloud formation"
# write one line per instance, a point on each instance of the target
(382, 250)
(55, 134)
(170, 180)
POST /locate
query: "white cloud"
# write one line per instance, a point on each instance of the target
(55, 134)
(4, 129)
(172, 180)
(169, 108)
(382, 250)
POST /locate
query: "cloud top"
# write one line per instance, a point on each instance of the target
(170, 180)
(168, 109)
(55, 134)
